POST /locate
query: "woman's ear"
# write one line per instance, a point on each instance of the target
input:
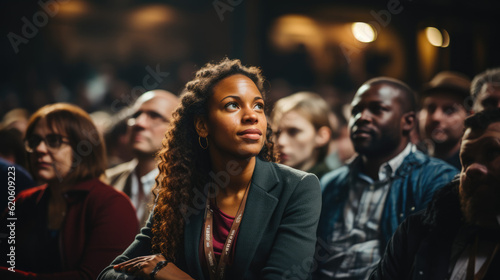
(200, 124)
(323, 136)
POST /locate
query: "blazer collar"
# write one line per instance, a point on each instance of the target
(258, 211)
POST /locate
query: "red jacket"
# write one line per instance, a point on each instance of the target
(100, 224)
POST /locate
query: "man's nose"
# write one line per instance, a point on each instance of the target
(141, 120)
(437, 115)
(476, 171)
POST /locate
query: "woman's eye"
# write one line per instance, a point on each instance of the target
(259, 106)
(231, 105)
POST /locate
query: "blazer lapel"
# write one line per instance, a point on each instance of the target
(192, 235)
(258, 211)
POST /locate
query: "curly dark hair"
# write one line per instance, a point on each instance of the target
(184, 166)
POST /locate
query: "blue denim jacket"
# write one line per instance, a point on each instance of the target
(412, 187)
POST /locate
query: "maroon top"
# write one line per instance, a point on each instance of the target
(221, 226)
(100, 223)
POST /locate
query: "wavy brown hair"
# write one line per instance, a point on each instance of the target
(89, 150)
(184, 166)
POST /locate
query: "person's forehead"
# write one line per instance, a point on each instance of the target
(490, 89)
(158, 104)
(381, 92)
(441, 98)
(492, 131)
(292, 118)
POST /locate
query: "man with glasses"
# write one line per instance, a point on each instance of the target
(152, 113)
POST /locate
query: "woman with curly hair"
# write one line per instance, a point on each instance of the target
(224, 209)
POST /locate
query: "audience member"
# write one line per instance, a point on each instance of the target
(301, 123)
(365, 201)
(458, 235)
(73, 225)
(442, 115)
(12, 165)
(152, 113)
(216, 162)
(485, 90)
(16, 118)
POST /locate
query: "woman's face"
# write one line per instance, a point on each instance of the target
(50, 164)
(296, 141)
(236, 125)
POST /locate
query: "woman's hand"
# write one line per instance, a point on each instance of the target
(143, 266)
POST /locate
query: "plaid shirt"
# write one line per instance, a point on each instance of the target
(355, 244)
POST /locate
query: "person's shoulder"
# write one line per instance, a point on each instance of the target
(290, 172)
(428, 162)
(119, 169)
(31, 192)
(104, 191)
(335, 176)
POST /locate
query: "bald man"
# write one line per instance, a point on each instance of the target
(152, 113)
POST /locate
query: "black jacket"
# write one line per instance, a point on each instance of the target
(421, 247)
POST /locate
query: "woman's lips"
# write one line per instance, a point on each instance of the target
(42, 164)
(284, 157)
(252, 134)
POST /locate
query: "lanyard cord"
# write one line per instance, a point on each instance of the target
(472, 262)
(216, 271)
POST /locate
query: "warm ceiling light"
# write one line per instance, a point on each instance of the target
(363, 32)
(446, 39)
(437, 38)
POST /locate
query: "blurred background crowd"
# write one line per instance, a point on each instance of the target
(102, 54)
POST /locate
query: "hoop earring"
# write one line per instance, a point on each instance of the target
(199, 141)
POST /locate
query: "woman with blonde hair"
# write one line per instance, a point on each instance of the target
(303, 132)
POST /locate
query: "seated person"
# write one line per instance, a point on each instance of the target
(224, 209)
(301, 123)
(73, 225)
(458, 235)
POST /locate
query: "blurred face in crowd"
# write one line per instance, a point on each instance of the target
(480, 175)
(150, 121)
(488, 97)
(377, 120)
(236, 124)
(50, 153)
(442, 119)
(297, 141)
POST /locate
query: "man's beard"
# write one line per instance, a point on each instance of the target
(480, 207)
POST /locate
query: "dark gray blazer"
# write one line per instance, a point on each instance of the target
(277, 236)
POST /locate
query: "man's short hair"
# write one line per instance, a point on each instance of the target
(408, 99)
(488, 76)
(481, 120)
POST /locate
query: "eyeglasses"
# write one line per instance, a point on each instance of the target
(53, 141)
(153, 118)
